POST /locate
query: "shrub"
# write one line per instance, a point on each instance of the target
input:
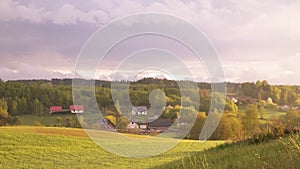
(37, 123)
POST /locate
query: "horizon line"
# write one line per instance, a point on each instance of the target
(155, 78)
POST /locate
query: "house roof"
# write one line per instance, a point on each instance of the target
(55, 108)
(106, 121)
(139, 108)
(76, 107)
(161, 123)
(139, 122)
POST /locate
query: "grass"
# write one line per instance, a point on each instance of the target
(284, 153)
(271, 114)
(49, 147)
(268, 115)
(48, 120)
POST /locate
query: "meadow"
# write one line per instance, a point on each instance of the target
(50, 147)
(282, 153)
(46, 120)
(270, 115)
(57, 147)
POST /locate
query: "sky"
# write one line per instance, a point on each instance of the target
(255, 40)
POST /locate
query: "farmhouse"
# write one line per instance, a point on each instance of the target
(138, 125)
(72, 109)
(133, 125)
(76, 108)
(158, 125)
(54, 109)
(106, 125)
(139, 110)
(242, 99)
(58, 110)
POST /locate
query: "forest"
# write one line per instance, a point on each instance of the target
(245, 103)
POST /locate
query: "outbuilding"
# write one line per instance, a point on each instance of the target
(76, 108)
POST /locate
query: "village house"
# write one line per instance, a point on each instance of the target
(139, 110)
(55, 109)
(106, 125)
(138, 125)
(132, 125)
(158, 125)
(72, 109)
(242, 99)
(76, 108)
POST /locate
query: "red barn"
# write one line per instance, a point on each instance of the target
(54, 109)
(76, 108)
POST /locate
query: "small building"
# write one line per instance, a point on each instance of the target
(76, 109)
(58, 110)
(138, 125)
(169, 107)
(235, 100)
(269, 100)
(285, 107)
(160, 125)
(54, 109)
(106, 125)
(132, 125)
(139, 110)
(242, 99)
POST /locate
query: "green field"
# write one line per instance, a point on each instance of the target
(268, 115)
(47, 120)
(276, 154)
(48, 147)
(271, 114)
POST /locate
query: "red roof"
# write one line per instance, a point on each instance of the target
(76, 107)
(55, 108)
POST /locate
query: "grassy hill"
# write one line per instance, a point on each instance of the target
(276, 154)
(47, 147)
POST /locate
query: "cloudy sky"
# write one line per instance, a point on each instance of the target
(255, 40)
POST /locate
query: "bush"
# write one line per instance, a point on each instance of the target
(37, 123)
(154, 133)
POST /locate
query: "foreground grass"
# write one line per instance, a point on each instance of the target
(43, 147)
(276, 154)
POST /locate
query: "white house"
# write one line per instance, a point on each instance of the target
(139, 110)
(132, 125)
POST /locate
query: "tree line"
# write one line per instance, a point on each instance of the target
(36, 96)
